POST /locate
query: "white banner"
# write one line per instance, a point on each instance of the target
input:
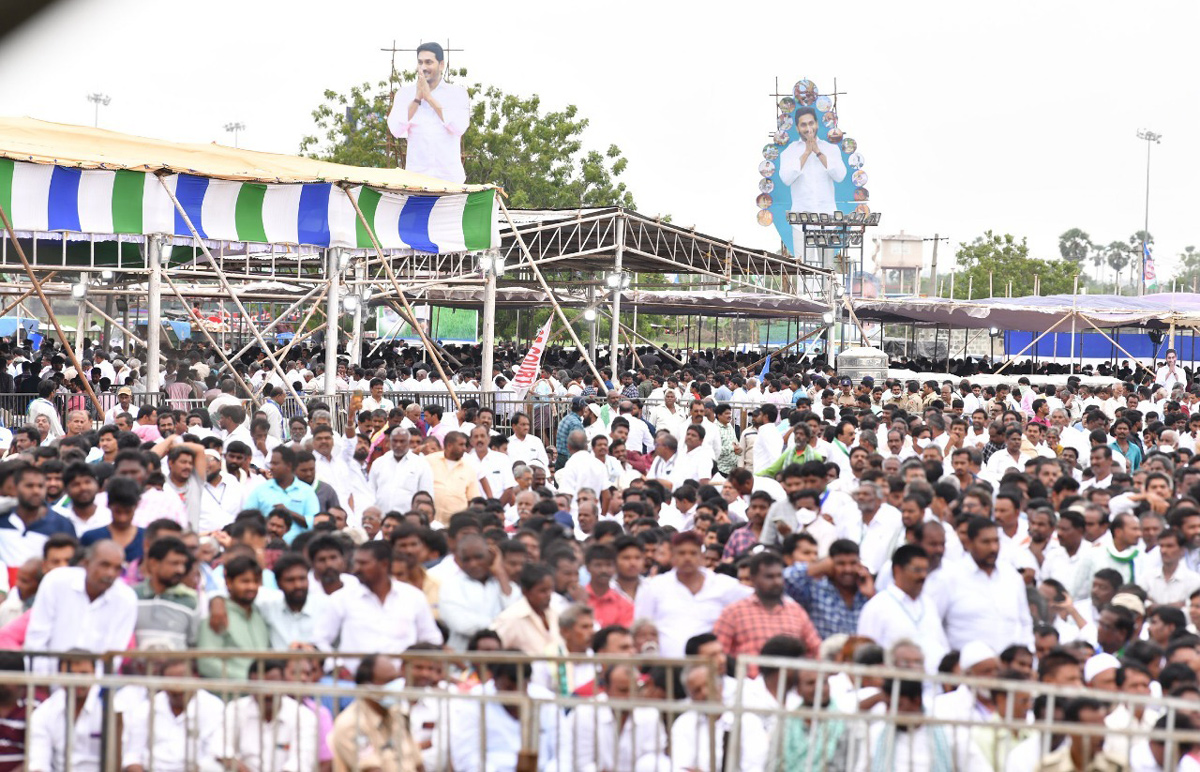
(528, 371)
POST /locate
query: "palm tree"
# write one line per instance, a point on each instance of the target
(1117, 257)
(1074, 245)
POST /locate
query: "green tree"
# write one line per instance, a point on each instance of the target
(536, 155)
(1075, 245)
(1005, 259)
(1187, 272)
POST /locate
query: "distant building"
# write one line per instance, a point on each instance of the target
(900, 259)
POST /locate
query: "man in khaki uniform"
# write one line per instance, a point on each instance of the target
(367, 735)
(1082, 753)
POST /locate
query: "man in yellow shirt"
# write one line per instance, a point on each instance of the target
(455, 481)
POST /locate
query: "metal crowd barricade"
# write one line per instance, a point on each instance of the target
(556, 723)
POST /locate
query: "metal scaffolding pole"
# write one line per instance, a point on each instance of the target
(618, 258)
(154, 246)
(332, 256)
(488, 339)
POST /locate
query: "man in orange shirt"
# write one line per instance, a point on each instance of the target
(746, 625)
(610, 606)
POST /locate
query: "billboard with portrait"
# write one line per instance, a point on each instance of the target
(811, 164)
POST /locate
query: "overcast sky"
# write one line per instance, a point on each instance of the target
(1014, 116)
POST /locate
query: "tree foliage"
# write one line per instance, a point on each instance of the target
(1187, 271)
(1075, 245)
(536, 155)
(1004, 260)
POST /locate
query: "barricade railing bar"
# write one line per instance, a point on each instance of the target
(569, 725)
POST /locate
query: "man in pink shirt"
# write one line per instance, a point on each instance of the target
(146, 425)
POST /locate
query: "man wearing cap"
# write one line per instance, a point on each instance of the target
(432, 115)
(845, 397)
(1100, 672)
(124, 405)
(978, 660)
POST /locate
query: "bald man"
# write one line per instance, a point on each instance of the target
(83, 607)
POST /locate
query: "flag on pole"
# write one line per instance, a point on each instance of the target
(527, 373)
(766, 366)
(1149, 278)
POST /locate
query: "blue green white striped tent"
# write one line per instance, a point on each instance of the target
(76, 179)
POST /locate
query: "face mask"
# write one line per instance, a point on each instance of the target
(923, 443)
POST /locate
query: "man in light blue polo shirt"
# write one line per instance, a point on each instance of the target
(285, 492)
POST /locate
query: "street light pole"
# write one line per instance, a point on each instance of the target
(234, 128)
(98, 99)
(1151, 138)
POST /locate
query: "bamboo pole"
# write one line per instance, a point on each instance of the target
(801, 339)
(37, 287)
(213, 342)
(412, 316)
(644, 339)
(118, 325)
(25, 295)
(546, 288)
(232, 295)
(866, 340)
(304, 322)
(1032, 343)
(1110, 340)
(290, 310)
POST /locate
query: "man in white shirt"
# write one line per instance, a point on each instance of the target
(379, 614)
(876, 528)
(187, 727)
(432, 115)
(495, 468)
(687, 600)
(769, 445)
(471, 597)
(811, 167)
(981, 599)
(272, 733)
(639, 439)
(582, 470)
(375, 400)
(1011, 458)
(83, 608)
(124, 405)
(222, 497)
(901, 611)
(526, 448)
(1169, 376)
(1171, 583)
(696, 461)
(669, 414)
(396, 476)
(48, 743)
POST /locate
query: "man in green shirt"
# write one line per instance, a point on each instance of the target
(246, 629)
(801, 451)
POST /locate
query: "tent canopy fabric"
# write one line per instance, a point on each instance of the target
(108, 184)
(1036, 313)
(83, 147)
(679, 302)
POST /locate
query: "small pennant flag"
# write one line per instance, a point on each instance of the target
(766, 366)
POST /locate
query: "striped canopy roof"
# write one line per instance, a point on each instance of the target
(105, 183)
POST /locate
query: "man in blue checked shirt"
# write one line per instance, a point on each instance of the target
(833, 590)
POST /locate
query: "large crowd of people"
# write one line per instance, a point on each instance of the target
(683, 506)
